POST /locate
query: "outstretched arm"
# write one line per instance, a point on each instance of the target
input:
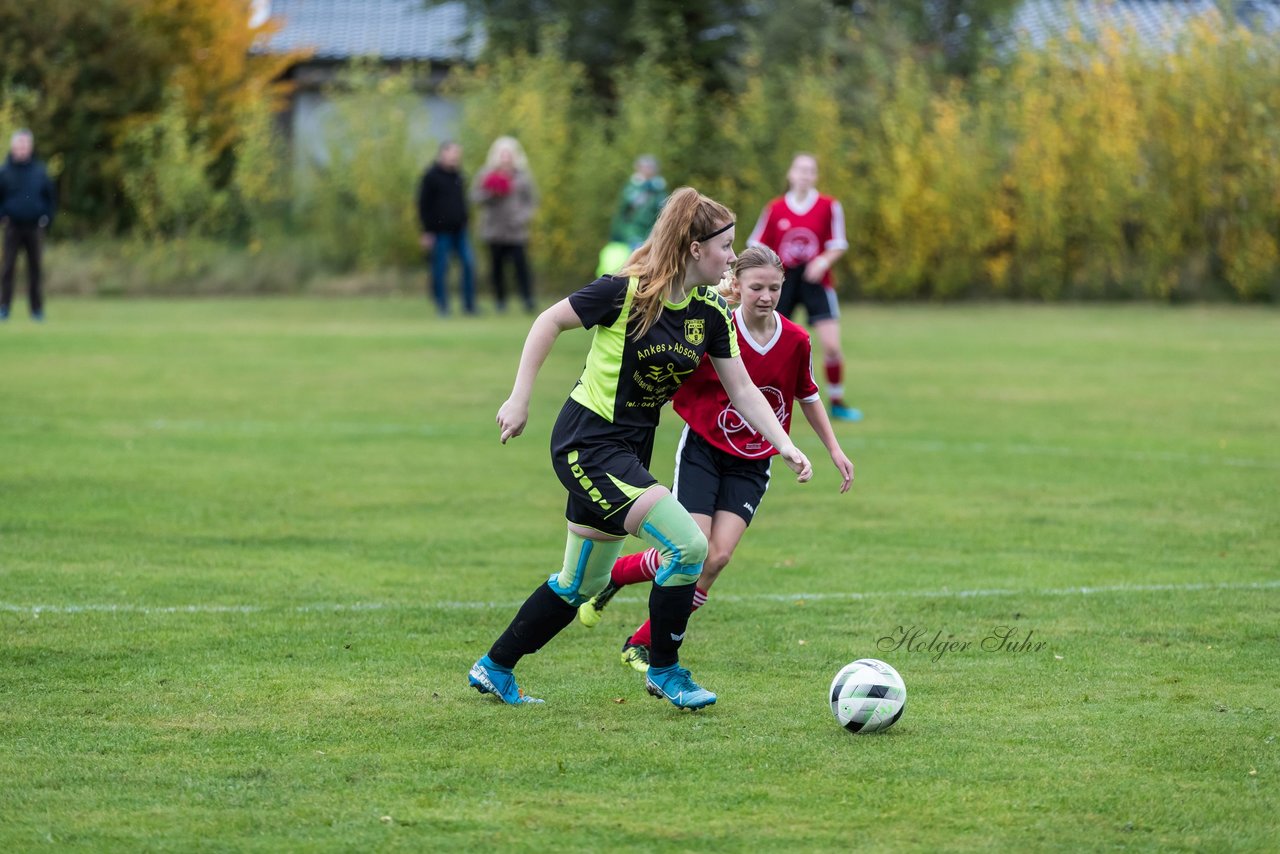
(748, 400)
(514, 413)
(816, 414)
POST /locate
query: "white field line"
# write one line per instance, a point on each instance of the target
(252, 428)
(339, 607)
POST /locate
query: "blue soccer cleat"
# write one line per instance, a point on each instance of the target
(677, 685)
(845, 413)
(489, 678)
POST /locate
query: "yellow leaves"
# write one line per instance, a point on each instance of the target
(1092, 166)
(997, 269)
(1252, 261)
(211, 60)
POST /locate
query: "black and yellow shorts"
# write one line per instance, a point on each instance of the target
(604, 467)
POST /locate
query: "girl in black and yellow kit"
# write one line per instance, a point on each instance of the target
(652, 325)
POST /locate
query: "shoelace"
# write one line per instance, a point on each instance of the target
(682, 681)
(602, 598)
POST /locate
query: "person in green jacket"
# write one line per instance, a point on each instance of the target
(638, 206)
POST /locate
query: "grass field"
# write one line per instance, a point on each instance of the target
(248, 550)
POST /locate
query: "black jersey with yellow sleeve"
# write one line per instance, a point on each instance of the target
(626, 381)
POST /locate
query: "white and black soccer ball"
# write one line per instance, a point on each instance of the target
(867, 696)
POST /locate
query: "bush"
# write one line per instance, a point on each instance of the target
(204, 267)
(357, 207)
(543, 102)
(1082, 169)
(1089, 169)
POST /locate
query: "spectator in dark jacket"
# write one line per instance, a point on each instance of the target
(442, 210)
(27, 206)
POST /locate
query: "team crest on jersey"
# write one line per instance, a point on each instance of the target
(694, 330)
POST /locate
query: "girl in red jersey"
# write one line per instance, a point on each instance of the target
(806, 229)
(722, 465)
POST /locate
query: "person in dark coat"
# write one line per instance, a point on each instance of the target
(27, 206)
(442, 210)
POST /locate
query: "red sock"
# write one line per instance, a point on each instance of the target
(642, 636)
(835, 374)
(632, 569)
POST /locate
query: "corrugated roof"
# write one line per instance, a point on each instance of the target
(1159, 23)
(389, 29)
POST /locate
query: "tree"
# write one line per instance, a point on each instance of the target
(700, 39)
(957, 32)
(84, 75)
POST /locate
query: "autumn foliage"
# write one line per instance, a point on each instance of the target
(1086, 168)
(89, 77)
(1100, 167)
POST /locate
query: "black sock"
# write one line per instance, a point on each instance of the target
(542, 616)
(669, 609)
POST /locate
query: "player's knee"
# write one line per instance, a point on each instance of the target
(698, 547)
(717, 560)
(682, 547)
(683, 562)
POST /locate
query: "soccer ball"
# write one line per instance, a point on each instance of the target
(867, 696)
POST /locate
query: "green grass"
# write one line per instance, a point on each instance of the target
(248, 550)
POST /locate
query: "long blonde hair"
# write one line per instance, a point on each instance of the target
(663, 258)
(506, 143)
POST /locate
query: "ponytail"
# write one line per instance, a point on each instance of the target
(662, 260)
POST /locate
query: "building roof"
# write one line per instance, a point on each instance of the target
(388, 29)
(1159, 23)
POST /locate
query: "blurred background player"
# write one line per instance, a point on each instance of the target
(639, 203)
(638, 206)
(722, 464)
(806, 229)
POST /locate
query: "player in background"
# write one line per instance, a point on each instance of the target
(806, 229)
(653, 324)
(722, 464)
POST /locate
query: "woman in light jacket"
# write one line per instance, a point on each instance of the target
(507, 197)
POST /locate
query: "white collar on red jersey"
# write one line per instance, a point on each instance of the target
(801, 205)
(745, 334)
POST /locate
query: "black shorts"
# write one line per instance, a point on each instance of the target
(708, 479)
(819, 302)
(604, 467)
